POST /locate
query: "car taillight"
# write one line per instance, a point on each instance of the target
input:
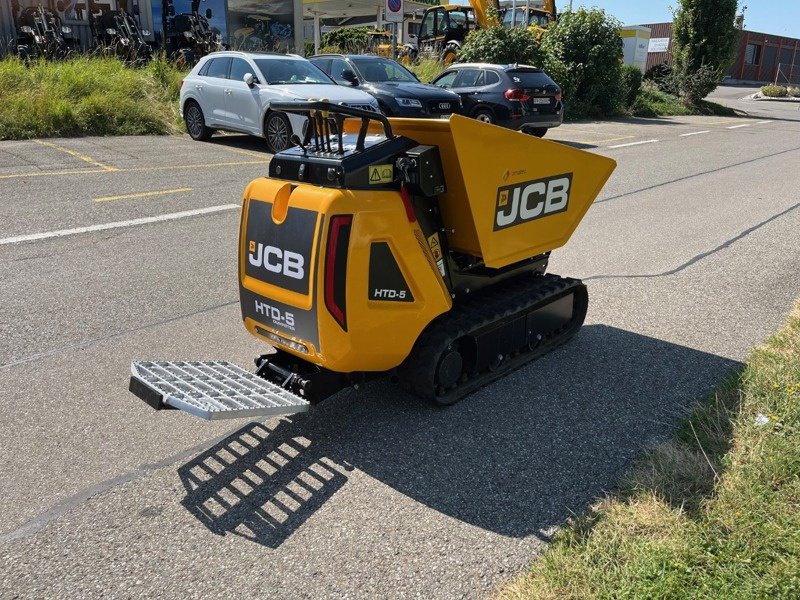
(558, 97)
(336, 267)
(181, 85)
(516, 95)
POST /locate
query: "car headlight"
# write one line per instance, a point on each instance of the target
(26, 29)
(66, 29)
(188, 35)
(409, 102)
(111, 31)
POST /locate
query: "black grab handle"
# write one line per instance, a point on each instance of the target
(305, 107)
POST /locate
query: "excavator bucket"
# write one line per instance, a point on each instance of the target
(496, 202)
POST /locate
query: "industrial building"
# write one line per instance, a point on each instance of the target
(760, 57)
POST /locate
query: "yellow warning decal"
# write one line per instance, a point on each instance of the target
(381, 174)
(436, 248)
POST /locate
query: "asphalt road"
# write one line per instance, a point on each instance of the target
(691, 255)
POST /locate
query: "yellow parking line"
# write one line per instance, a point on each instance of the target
(52, 173)
(135, 169)
(199, 166)
(143, 195)
(82, 157)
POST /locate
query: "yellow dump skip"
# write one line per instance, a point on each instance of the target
(524, 195)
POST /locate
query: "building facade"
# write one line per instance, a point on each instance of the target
(760, 57)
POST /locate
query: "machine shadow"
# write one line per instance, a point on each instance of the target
(516, 458)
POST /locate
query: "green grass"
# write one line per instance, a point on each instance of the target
(426, 69)
(87, 96)
(652, 102)
(713, 513)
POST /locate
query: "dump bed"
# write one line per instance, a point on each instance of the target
(509, 195)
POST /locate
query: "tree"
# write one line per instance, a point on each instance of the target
(704, 39)
(498, 45)
(583, 53)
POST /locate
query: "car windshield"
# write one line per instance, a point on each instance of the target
(288, 70)
(379, 70)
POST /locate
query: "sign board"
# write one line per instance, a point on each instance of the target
(393, 11)
(658, 45)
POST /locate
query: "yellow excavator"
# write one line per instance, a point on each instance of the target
(413, 249)
(444, 28)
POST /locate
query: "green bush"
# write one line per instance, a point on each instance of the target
(87, 96)
(631, 83)
(794, 92)
(582, 53)
(703, 45)
(348, 39)
(775, 91)
(496, 44)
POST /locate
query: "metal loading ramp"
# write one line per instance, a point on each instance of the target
(211, 389)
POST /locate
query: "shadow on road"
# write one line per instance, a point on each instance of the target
(240, 142)
(516, 458)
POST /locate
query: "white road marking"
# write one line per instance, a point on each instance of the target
(117, 224)
(695, 133)
(634, 144)
(762, 122)
(738, 126)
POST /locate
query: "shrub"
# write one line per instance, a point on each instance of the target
(703, 45)
(496, 44)
(582, 53)
(775, 91)
(794, 92)
(631, 83)
(348, 39)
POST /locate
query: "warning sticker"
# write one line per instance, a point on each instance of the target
(381, 174)
(436, 249)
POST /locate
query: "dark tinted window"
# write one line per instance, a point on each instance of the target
(204, 70)
(529, 78)
(446, 80)
(239, 67)
(322, 63)
(490, 78)
(377, 70)
(470, 78)
(339, 66)
(219, 67)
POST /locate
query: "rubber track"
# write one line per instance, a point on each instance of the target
(417, 373)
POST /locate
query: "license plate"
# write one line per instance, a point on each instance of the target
(444, 116)
(541, 100)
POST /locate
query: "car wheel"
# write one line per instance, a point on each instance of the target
(277, 131)
(537, 131)
(484, 115)
(196, 122)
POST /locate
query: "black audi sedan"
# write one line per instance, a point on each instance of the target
(513, 96)
(398, 91)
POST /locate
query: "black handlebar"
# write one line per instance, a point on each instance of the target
(319, 111)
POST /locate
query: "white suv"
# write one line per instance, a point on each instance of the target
(233, 91)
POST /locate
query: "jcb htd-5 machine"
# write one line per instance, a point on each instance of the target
(412, 248)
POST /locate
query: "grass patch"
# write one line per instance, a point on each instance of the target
(713, 513)
(87, 96)
(426, 69)
(652, 102)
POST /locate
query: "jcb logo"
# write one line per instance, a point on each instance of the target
(276, 260)
(523, 202)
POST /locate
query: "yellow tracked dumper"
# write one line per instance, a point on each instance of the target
(410, 248)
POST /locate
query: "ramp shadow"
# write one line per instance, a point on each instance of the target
(516, 458)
